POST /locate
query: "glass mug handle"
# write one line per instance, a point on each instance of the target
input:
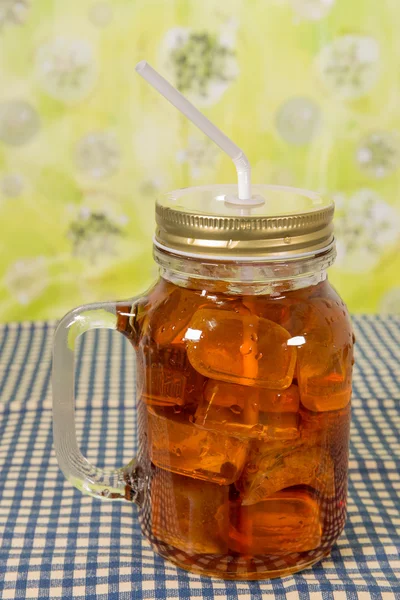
(115, 484)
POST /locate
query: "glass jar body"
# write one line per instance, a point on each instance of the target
(243, 390)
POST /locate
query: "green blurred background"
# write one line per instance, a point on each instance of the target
(309, 89)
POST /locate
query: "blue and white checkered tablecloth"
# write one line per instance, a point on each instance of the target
(56, 543)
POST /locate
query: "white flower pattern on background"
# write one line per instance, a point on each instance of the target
(298, 120)
(349, 67)
(365, 227)
(66, 68)
(12, 185)
(200, 155)
(19, 122)
(390, 303)
(27, 279)
(97, 154)
(151, 187)
(13, 12)
(96, 228)
(378, 154)
(202, 63)
(312, 10)
(101, 14)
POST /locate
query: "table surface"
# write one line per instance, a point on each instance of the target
(57, 543)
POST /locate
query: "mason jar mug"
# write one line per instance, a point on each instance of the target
(244, 356)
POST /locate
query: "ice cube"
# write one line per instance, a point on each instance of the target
(189, 514)
(321, 330)
(288, 521)
(228, 408)
(275, 465)
(293, 309)
(169, 319)
(178, 446)
(166, 378)
(240, 348)
(249, 412)
(305, 317)
(267, 307)
(306, 465)
(324, 376)
(279, 413)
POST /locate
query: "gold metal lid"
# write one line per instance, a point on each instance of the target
(201, 222)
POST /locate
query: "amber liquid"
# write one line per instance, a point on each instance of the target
(244, 412)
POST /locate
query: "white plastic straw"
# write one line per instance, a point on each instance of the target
(193, 114)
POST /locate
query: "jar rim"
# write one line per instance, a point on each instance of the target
(237, 258)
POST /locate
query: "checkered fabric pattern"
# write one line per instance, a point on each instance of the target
(57, 543)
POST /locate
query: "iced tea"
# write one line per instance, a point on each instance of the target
(244, 412)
